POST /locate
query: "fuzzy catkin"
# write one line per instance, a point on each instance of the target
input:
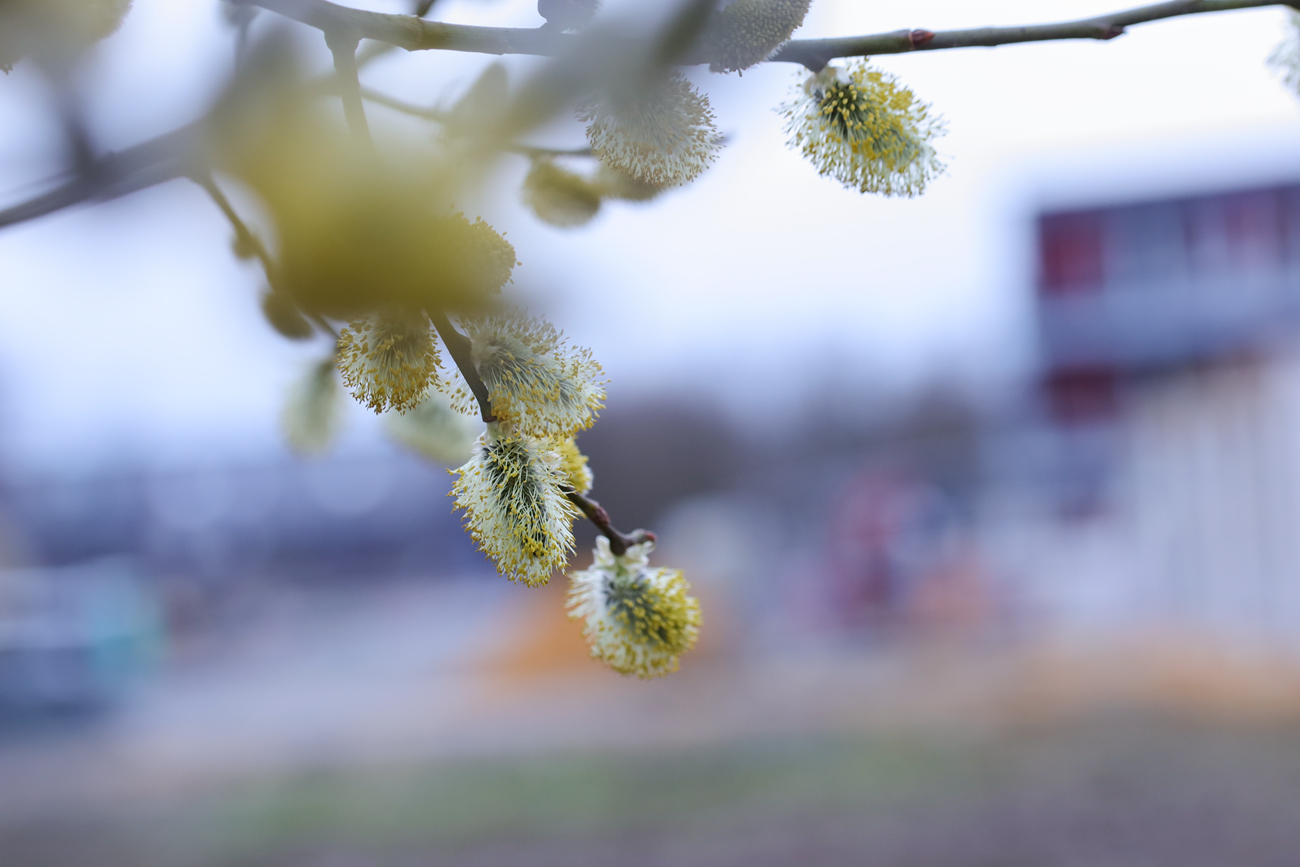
(538, 384)
(746, 32)
(863, 128)
(661, 134)
(388, 360)
(515, 506)
(637, 619)
(560, 197)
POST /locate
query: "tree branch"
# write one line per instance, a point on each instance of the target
(173, 155)
(243, 234)
(618, 542)
(414, 34)
(458, 347)
(170, 156)
(343, 45)
(439, 116)
(816, 53)
(533, 151)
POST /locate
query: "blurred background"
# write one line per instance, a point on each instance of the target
(991, 497)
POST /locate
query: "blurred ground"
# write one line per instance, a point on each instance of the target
(1115, 794)
(392, 728)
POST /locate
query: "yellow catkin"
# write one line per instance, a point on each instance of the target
(388, 360)
(573, 466)
(638, 619)
(355, 235)
(515, 507)
(539, 385)
(56, 24)
(863, 128)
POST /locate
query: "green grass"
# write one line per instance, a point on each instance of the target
(1115, 792)
(581, 795)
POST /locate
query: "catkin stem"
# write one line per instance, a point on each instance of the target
(245, 235)
(458, 348)
(618, 542)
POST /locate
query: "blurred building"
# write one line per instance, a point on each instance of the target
(331, 518)
(1168, 458)
(101, 569)
(1146, 484)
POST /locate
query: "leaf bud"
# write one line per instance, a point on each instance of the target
(284, 316)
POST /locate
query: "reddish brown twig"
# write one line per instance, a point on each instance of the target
(595, 512)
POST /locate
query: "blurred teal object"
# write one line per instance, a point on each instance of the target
(75, 637)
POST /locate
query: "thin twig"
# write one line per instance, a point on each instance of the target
(403, 106)
(816, 53)
(458, 347)
(439, 116)
(533, 151)
(618, 542)
(243, 30)
(169, 156)
(249, 238)
(343, 45)
(415, 34)
(324, 325)
(243, 234)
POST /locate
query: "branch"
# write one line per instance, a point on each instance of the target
(156, 161)
(439, 116)
(532, 151)
(324, 325)
(344, 48)
(458, 347)
(816, 53)
(414, 34)
(371, 52)
(243, 234)
(618, 542)
(173, 155)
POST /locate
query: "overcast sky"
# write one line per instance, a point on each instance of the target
(128, 329)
